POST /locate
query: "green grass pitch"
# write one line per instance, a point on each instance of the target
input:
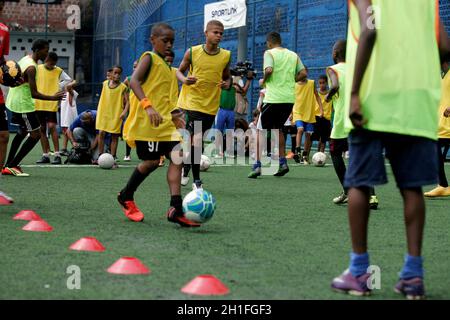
(271, 238)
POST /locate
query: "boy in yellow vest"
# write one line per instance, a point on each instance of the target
(443, 190)
(322, 129)
(112, 110)
(50, 80)
(209, 71)
(304, 115)
(152, 126)
(398, 117)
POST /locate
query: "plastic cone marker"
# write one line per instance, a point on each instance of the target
(128, 265)
(38, 226)
(27, 215)
(88, 244)
(205, 285)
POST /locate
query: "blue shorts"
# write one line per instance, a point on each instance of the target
(412, 159)
(308, 127)
(224, 120)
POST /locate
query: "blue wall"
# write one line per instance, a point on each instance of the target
(309, 27)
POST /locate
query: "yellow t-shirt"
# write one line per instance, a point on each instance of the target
(444, 123)
(327, 106)
(157, 88)
(305, 102)
(47, 82)
(110, 107)
(204, 95)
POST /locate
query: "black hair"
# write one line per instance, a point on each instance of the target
(39, 44)
(157, 28)
(52, 56)
(341, 49)
(110, 70)
(274, 38)
(323, 77)
(117, 67)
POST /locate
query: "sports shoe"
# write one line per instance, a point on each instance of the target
(412, 289)
(438, 192)
(57, 160)
(256, 172)
(115, 165)
(296, 158)
(197, 185)
(43, 160)
(14, 171)
(130, 209)
(341, 199)
(172, 216)
(5, 200)
(355, 286)
(64, 153)
(373, 202)
(282, 170)
(305, 161)
(127, 158)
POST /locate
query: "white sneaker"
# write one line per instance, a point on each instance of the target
(184, 181)
(127, 158)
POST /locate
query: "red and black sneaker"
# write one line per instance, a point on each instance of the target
(172, 216)
(130, 209)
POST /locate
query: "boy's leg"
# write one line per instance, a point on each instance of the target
(28, 145)
(15, 145)
(4, 138)
(307, 148)
(52, 127)
(101, 142)
(114, 142)
(42, 117)
(358, 212)
(337, 147)
(442, 190)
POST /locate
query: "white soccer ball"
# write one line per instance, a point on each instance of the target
(205, 163)
(199, 205)
(319, 159)
(106, 161)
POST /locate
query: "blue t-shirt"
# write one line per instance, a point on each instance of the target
(77, 123)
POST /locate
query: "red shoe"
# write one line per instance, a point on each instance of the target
(14, 171)
(130, 210)
(181, 220)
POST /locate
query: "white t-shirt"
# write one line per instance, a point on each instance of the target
(69, 112)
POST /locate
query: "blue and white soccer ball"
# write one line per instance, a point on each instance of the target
(199, 205)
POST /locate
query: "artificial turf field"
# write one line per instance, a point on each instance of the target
(271, 238)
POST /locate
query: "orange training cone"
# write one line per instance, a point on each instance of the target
(27, 215)
(205, 285)
(88, 244)
(38, 226)
(128, 265)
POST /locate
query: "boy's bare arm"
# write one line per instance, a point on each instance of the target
(334, 84)
(184, 66)
(126, 106)
(319, 102)
(366, 43)
(135, 84)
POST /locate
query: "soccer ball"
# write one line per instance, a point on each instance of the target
(199, 205)
(10, 73)
(106, 161)
(205, 163)
(319, 159)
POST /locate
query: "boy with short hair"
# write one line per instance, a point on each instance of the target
(152, 126)
(322, 129)
(112, 110)
(396, 116)
(209, 72)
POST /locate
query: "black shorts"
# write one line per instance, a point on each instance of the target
(275, 115)
(3, 118)
(153, 150)
(322, 130)
(26, 121)
(46, 117)
(338, 146)
(412, 160)
(195, 118)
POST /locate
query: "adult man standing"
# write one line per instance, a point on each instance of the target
(282, 68)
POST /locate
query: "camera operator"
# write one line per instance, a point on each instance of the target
(243, 74)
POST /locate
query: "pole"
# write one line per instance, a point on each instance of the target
(242, 43)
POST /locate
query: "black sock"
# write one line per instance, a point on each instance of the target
(298, 150)
(293, 143)
(195, 160)
(177, 203)
(15, 145)
(339, 167)
(196, 172)
(29, 144)
(186, 170)
(134, 182)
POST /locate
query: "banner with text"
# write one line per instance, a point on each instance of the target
(232, 13)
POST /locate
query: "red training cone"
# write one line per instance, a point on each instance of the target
(38, 226)
(205, 285)
(88, 244)
(128, 265)
(27, 215)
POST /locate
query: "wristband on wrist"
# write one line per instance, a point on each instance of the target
(145, 103)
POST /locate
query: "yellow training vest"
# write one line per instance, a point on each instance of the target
(110, 107)
(305, 102)
(327, 106)
(444, 123)
(47, 82)
(204, 96)
(157, 88)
